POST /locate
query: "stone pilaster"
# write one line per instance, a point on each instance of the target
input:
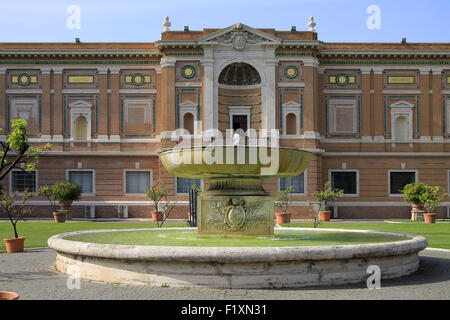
(3, 100)
(103, 104)
(114, 115)
(378, 112)
(209, 105)
(436, 102)
(366, 125)
(425, 130)
(57, 105)
(46, 104)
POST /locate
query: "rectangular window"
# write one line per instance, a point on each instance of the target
(85, 179)
(399, 179)
(184, 184)
(345, 180)
(137, 181)
(297, 182)
(21, 181)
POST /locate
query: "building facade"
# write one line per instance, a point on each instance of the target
(375, 115)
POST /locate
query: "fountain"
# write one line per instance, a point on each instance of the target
(236, 204)
(234, 209)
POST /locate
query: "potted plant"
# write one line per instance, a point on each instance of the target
(59, 215)
(282, 200)
(15, 212)
(320, 202)
(412, 194)
(66, 192)
(156, 193)
(430, 199)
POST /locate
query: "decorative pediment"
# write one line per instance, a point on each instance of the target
(239, 36)
(291, 104)
(188, 104)
(80, 104)
(401, 104)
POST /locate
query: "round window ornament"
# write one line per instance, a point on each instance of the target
(290, 72)
(188, 72)
(24, 79)
(342, 79)
(138, 79)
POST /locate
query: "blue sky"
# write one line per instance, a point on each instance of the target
(141, 21)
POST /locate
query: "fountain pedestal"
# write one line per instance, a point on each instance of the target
(235, 207)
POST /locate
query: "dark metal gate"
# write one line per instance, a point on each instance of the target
(193, 208)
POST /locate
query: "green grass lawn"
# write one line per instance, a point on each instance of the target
(438, 234)
(284, 238)
(37, 233)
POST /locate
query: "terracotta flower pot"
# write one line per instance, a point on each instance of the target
(283, 217)
(429, 217)
(60, 216)
(14, 245)
(324, 215)
(5, 295)
(416, 206)
(157, 216)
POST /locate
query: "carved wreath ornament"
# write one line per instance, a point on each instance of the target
(234, 215)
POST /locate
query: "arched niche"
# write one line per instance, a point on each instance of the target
(80, 128)
(402, 121)
(291, 124)
(188, 122)
(83, 109)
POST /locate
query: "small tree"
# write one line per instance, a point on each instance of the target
(158, 194)
(166, 209)
(321, 199)
(46, 191)
(283, 197)
(412, 193)
(66, 190)
(15, 212)
(16, 147)
(431, 198)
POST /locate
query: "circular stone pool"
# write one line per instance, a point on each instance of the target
(296, 257)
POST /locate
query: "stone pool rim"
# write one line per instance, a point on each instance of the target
(414, 244)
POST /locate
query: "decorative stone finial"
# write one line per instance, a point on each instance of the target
(311, 24)
(166, 24)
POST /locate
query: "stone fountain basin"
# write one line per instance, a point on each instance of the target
(235, 267)
(291, 162)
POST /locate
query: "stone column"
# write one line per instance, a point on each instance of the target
(102, 132)
(436, 102)
(46, 104)
(57, 105)
(268, 103)
(425, 116)
(114, 115)
(210, 113)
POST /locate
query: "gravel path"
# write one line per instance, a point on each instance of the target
(32, 275)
